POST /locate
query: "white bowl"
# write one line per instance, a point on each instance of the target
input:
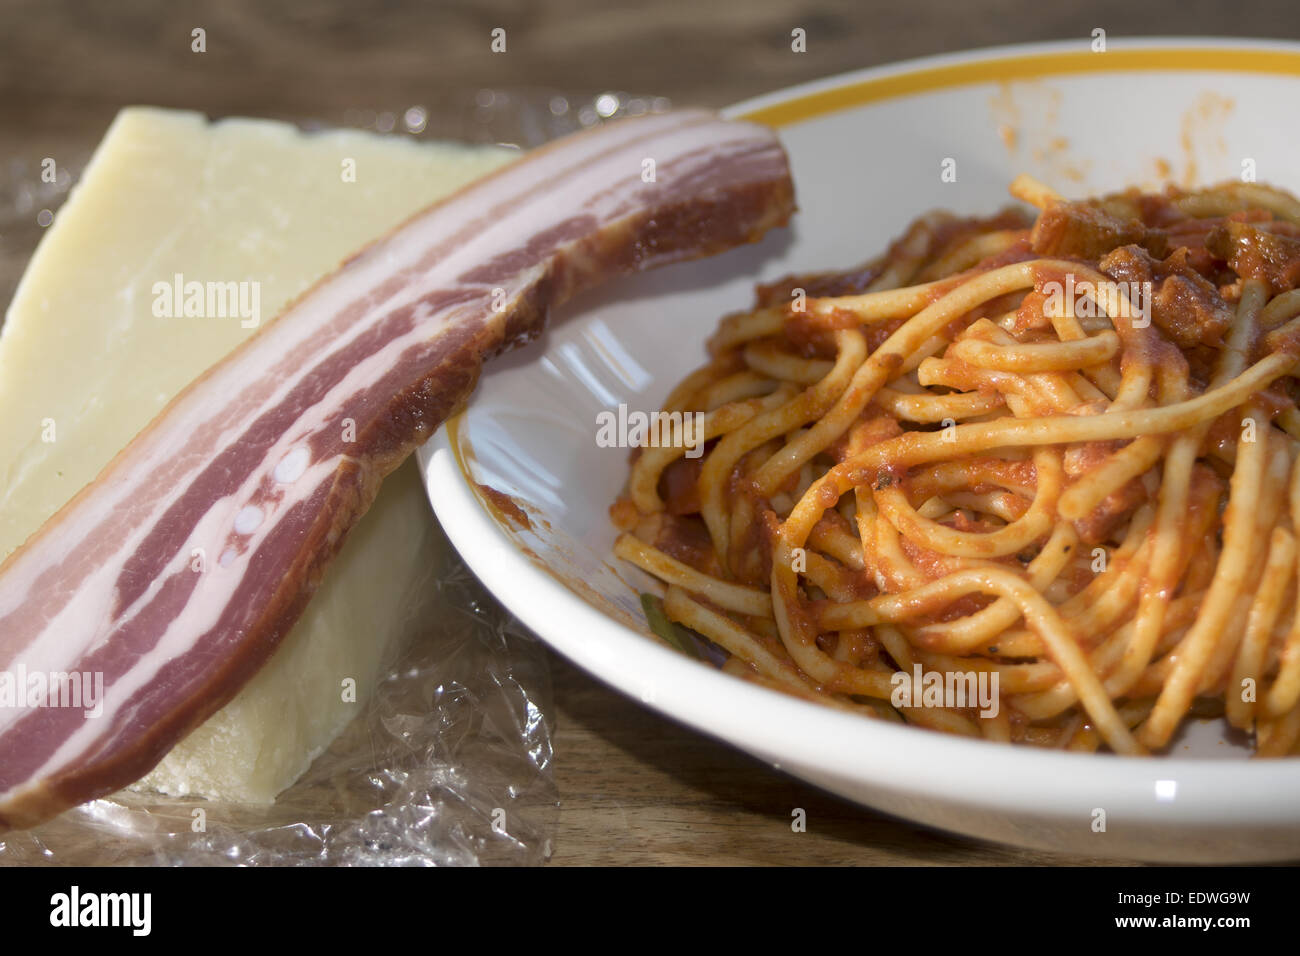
(866, 151)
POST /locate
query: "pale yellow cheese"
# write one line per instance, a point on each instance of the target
(89, 355)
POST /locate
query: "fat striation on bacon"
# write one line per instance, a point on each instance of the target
(178, 570)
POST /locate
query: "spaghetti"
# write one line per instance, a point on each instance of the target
(1059, 454)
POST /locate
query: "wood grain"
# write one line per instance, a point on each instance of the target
(636, 788)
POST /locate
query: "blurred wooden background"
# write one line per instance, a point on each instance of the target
(66, 67)
(634, 788)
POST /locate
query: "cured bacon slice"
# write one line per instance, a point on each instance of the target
(178, 570)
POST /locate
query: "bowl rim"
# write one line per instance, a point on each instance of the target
(882, 755)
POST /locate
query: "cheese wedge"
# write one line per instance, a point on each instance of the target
(182, 237)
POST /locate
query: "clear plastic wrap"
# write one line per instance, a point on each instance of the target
(450, 762)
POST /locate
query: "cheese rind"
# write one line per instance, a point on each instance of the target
(93, 348)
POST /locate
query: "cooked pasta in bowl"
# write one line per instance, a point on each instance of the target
(973, 508)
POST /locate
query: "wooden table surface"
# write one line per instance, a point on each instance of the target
(634, 787)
